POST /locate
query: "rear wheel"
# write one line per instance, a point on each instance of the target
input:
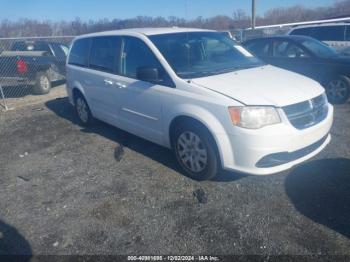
(83, 111)
(338, 90)
(42, 83)
(196, 152)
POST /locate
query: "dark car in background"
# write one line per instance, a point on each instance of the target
(33, 63)
(309, 57)
(57, 51)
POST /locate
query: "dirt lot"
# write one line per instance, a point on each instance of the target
(19, 97)
(69, 190)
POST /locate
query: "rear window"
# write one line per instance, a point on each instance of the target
(31, 46)
(80, 52)
(329, 33)
(19, 46)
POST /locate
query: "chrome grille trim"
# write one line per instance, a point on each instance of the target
(308, 113)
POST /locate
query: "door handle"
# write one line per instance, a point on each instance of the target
(120, 85)
(108, 82)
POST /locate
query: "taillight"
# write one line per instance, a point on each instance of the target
(22, 67)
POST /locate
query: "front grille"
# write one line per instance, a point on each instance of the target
(309, 113)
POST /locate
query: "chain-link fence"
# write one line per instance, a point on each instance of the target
(31, 66)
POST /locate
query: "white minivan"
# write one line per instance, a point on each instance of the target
(336, 35)
(202, 95)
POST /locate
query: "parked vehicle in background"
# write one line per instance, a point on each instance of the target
(35, 64)
(57, 51)
(309, 57)
(201, 94)
(336, 35)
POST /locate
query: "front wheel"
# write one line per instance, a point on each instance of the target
(338, 90)
(196, 152)
(42, 84)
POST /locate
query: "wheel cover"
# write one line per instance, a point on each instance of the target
(82, 110)
(192, 152)
(44, 82)
(337, 89)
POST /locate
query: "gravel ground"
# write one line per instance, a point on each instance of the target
(22, 97)
(65, 189)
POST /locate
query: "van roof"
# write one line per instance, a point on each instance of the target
(147, 31)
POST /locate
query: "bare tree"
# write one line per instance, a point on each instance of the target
(239, 19)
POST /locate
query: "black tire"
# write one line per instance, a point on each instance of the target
(42, 83)
(83, 111)
(338, 89)
(211, 168)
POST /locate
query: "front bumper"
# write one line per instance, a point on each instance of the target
(276, 148)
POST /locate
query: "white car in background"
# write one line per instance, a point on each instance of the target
(336, 35)
(201, 94)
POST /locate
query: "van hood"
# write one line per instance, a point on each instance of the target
(267, 85)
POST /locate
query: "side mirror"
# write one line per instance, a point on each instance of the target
(148, 74)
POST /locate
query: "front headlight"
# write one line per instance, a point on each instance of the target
(254, 117)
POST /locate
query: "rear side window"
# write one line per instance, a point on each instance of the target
(259, 48)
(329, 33)
(302, 31)
(279, 48)
(79, 53)
(105, 53)
(286, 49)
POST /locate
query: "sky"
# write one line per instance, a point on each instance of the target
(97, 9)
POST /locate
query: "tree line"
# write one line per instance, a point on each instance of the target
(239, 19)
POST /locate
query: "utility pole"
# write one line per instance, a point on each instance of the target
(253, 13)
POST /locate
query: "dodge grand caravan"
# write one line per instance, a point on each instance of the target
(202, 95)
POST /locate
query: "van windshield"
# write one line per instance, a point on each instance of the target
(200, 54)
